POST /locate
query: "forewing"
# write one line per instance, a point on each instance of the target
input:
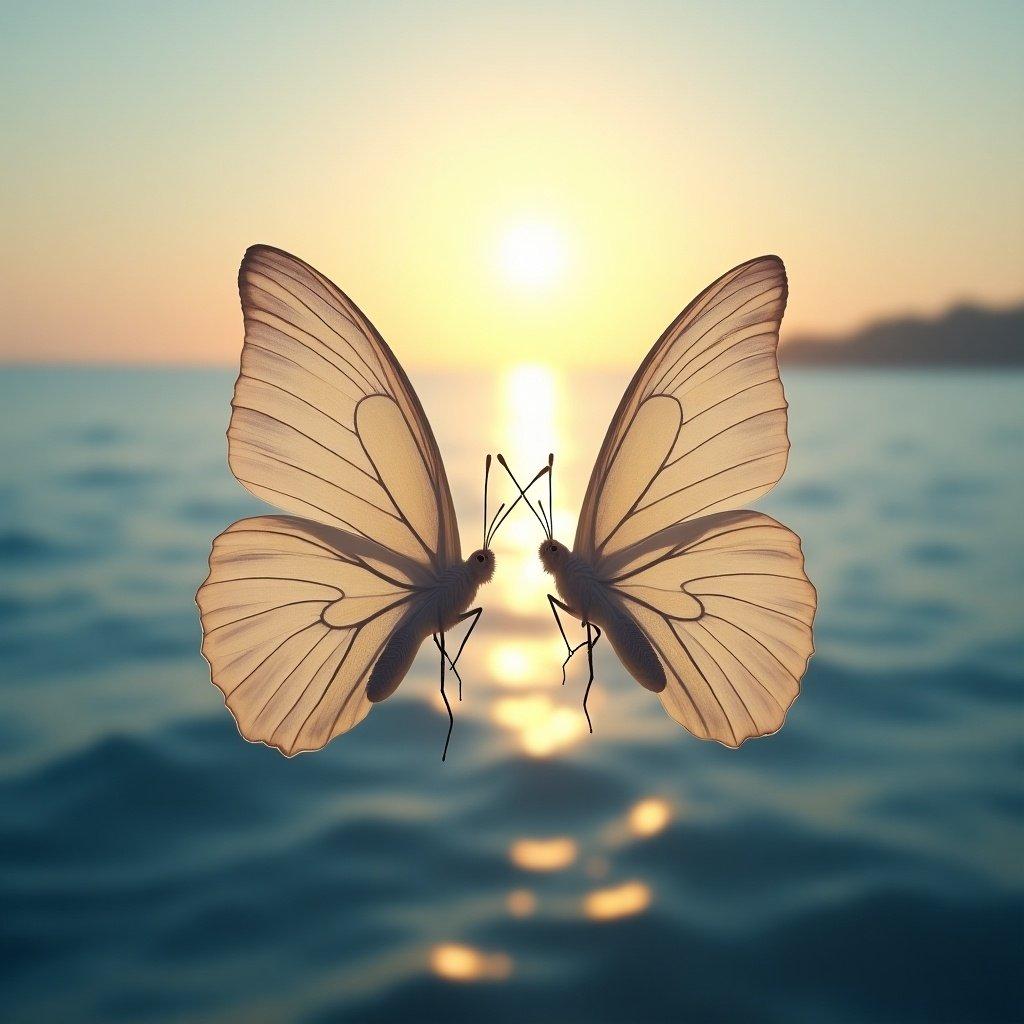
(728, 608)
(294, 616)
(324, 421)
(702, 426)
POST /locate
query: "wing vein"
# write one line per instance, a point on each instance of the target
(328, 299)
(732, 686)
(753, 604)
(318, 350)
(725, 430)
(704, 480)
(330, 327)
(265, 659)
(656, 389)
(267, 611)
(309, 683)
(337, 487)
(299, 398)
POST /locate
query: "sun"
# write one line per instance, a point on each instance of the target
(532, 255)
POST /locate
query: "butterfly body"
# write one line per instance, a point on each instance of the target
(589, 597)
(438, 608)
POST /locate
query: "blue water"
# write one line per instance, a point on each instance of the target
(864, 865)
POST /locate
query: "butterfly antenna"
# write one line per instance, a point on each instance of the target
(490, 532)
(487, 474)
(551, 498)
(544, 516)
(522, 494)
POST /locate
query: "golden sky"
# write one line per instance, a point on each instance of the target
(496, 184)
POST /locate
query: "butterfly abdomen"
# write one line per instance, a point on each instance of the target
(630, 643)
(393, 664)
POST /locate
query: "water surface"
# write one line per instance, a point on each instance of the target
(863, 865)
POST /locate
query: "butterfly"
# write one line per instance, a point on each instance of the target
(311, 618)
(706, 605)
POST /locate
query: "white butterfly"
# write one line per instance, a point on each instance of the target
(309, 621)
(707, 607)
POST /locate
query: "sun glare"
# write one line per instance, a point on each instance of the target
(532, 255)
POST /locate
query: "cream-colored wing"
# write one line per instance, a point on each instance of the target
(702, 426)
(727, 606)
(294, 616)
(324, 421)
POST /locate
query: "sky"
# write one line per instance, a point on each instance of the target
(500, 183)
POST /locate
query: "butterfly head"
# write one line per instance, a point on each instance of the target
(553, 555)
(481, 565)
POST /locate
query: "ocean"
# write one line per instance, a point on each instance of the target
(866, 864)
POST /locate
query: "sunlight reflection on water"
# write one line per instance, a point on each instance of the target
(543, 854)
(528, 420)
(525, 662)
(617, 901)
(464, 963)
(542, 725)
(521, 902)
(649, 817)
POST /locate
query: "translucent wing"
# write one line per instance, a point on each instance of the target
(294, 616)
(324, 421)
(702, 426)
(726, 604)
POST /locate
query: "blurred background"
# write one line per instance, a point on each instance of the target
(521, 198)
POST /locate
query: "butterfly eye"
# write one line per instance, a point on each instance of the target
(552, 548)
(479, 558)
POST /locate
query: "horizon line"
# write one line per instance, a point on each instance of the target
(804, 337)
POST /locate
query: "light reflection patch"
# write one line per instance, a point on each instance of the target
(543, 854)
(649, 817)
(464, 963)
(521, 903)
(617, 901)
(542, 727)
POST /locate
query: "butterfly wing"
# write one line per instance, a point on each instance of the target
(294, 615)
(702, 425)
(325, 423)
(721, 595)
(728, 608)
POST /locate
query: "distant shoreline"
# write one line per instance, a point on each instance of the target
(965, 337)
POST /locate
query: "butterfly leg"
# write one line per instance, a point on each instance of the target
(444, 697)
(591, 642)
(555, 605)
(474, 614)
(451, 664)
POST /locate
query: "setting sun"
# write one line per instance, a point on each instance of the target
(533, 255)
